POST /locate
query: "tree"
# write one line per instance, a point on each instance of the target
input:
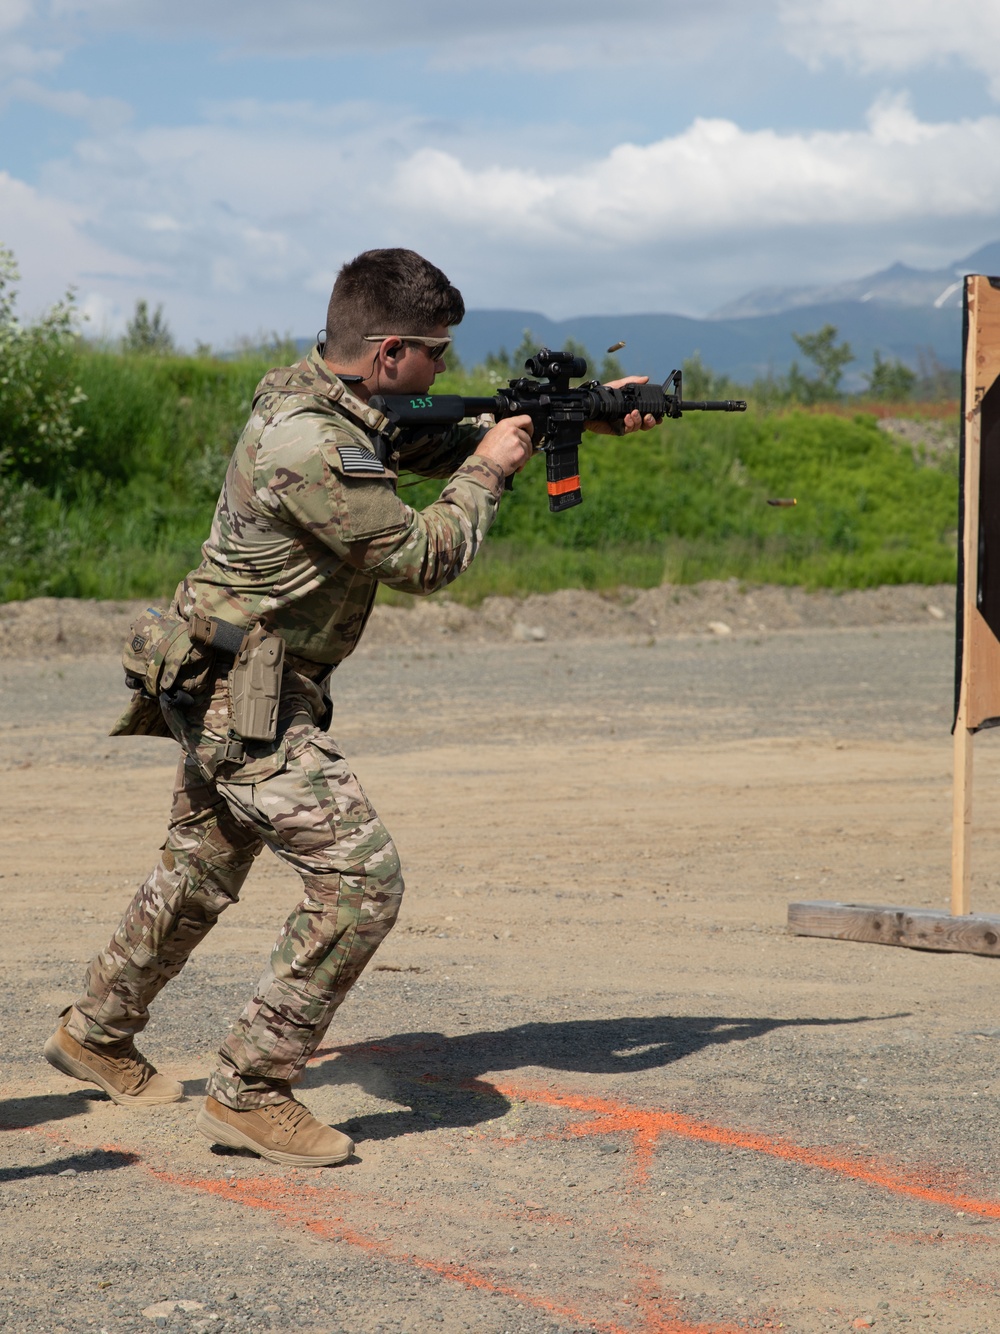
(611, 369)
(526, 348)
(698, 378)
(891, 380)
(148, 335)
(828, 356)
(452, 361)
(275, 348)
(498, 366)
(38, 433)
(935, 381)
(504, 365)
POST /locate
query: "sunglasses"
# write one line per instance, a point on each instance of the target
(436, 347)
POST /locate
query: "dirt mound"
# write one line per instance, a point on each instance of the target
(56, 626)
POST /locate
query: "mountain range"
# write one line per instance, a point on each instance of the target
(914, 315)
(898, 285)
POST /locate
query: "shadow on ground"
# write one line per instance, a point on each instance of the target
(91, 1160)
(21, 1113)
(439, 1080)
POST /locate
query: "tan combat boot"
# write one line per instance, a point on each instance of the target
(283, 1132)
(127, 1078)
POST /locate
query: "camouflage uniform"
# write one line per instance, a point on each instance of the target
(308, 524)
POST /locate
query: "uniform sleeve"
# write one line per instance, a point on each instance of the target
(440, 455)
(439, 542)
(365, 523)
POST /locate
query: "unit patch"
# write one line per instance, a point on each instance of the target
(355, 458)
(138, 643)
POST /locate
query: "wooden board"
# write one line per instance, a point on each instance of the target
(978, 649)
(913, 928)
(977, 646)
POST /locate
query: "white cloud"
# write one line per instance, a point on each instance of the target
(20, 57)
(555, 34)
(13, 13)
(100, 113)
(897, 34)
(717, 179)
(54, 252)
(19, 60)
(101, 316)
(241, 223)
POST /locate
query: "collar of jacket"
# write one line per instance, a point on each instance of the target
(312, 378)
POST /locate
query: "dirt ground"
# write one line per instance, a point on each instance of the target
(55, 626)
(595, 1085)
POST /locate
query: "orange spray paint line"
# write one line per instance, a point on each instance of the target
(286, 1203)
(647, 1127)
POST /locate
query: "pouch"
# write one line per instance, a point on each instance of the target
(157, 647)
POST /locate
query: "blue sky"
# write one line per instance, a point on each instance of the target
(570, 157)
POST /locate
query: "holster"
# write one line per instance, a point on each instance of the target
(255, 685)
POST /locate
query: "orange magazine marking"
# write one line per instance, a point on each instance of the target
(561, 488)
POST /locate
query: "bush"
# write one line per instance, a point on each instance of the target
(38, 392)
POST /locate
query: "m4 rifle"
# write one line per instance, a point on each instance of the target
(560, 414)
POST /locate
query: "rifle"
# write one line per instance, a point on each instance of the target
(559, 413)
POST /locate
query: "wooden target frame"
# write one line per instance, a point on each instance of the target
(977, 659)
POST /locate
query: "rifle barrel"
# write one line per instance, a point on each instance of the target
(715, 405)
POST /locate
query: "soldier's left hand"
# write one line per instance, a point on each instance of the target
(635, 421)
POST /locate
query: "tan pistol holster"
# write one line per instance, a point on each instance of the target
(255, 677)
(255, 685)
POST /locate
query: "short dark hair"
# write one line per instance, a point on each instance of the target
(387, 291)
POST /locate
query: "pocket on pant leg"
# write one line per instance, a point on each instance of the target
(316, 800)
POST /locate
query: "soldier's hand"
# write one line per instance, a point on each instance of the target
(508, 444)
(635, 421)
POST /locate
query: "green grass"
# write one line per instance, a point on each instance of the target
(127, 516)
(510, 569)
(127, 513)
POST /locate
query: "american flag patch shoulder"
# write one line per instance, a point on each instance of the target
(356, 458)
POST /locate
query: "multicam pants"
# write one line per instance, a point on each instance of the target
(298, 796)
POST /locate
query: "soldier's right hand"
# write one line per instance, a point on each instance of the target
(508, 444)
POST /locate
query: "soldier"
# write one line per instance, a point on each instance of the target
(307, 525)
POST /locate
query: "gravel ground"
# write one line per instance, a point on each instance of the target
(593, 1082)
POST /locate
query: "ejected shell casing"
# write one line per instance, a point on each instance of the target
(784, 504)
(616, 347)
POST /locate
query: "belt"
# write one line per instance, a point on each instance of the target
(227, 640)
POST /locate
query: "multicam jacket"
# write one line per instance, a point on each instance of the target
(309, 523)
